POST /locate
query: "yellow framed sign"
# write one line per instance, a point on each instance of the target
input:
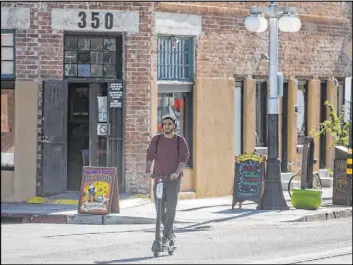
(97, 190)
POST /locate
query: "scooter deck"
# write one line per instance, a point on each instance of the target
(168, 248)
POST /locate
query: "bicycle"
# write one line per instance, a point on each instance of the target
(295, 181)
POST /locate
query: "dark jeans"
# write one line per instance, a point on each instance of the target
(171, 190)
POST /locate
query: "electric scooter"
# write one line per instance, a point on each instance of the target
(157, 246)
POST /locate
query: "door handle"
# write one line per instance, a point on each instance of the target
(45, 140)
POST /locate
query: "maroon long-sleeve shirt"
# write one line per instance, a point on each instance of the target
(166, 157)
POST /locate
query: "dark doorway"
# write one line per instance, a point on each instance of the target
(78, 130)
(94, 132)
(78, 133)
(284, 162)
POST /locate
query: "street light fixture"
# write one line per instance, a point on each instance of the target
(285, 19)
(256, 23)
(289, 23)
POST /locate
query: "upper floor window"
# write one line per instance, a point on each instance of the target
(175, 58)
(93, 56)
(7, 54)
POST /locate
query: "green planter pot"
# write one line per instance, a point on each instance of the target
(307, 199)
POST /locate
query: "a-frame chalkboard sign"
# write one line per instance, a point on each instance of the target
(249, 178)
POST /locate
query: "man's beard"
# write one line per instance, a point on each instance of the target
(168, 131)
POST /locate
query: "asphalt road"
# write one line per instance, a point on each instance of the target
(325, 242)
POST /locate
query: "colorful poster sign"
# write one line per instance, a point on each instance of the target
(97, 188)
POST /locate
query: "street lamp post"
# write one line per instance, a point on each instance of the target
(283, 18)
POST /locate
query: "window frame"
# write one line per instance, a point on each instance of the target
(118, 51)
(190, 58)
(10, 76)
(9, 85)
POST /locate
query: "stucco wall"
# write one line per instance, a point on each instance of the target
(7, 185)
(214, 136)
(25, 140)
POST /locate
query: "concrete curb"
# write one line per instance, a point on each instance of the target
(115, 219)
(43, 200)
(325, 216)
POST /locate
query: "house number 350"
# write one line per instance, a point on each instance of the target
(95, 22)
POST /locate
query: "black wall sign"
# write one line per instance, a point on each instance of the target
(115, 95)
(342, 188)
(248, 178)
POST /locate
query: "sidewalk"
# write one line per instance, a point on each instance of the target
(142, 211)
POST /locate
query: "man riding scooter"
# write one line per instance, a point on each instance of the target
(170, 153)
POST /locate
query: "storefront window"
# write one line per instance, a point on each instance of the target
(178, 106)
(301, 112)
(261, 113)
(7, 127)
(340, 98)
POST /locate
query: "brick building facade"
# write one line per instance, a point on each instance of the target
(222, 55)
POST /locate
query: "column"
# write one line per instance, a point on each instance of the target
(249, 116)
(314, 96)
(292, 120)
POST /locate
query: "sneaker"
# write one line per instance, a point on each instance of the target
(165, 241)
(172, 236)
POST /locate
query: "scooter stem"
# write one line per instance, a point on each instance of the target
(159, 209)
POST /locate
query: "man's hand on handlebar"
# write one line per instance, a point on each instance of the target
(174, 176)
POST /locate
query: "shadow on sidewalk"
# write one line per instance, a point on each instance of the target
(240, 213)
(133, 260)
(204, 207)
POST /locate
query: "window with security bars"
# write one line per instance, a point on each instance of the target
(175, 59)
(94, 56)
(7, 54)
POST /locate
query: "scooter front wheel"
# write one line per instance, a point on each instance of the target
(156, 254)
(171, 248)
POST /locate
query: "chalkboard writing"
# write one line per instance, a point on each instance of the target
(248, 178)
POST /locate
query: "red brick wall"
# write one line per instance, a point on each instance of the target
(138, 104)
(226, 48)
(39, 56)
